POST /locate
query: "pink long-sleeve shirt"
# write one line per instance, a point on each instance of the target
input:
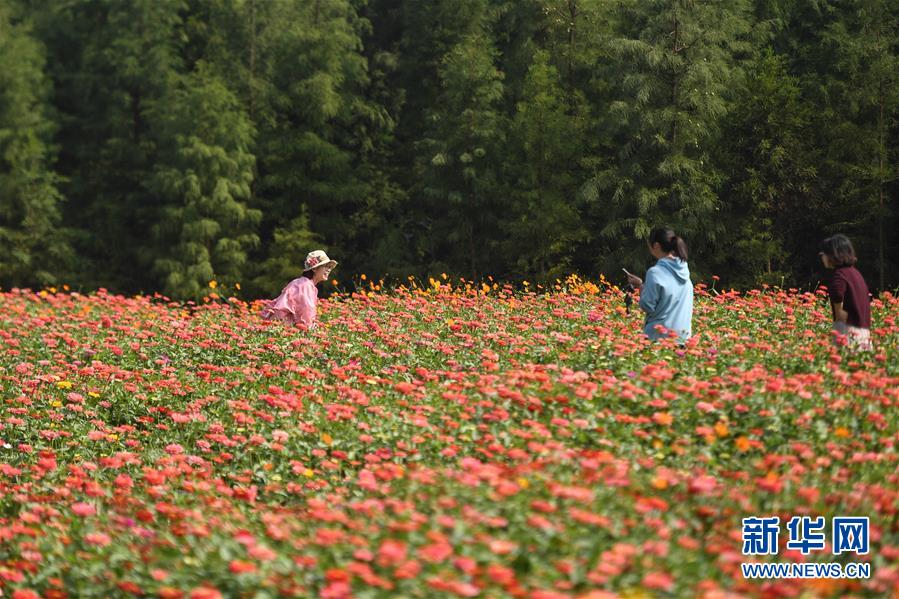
(296, 304)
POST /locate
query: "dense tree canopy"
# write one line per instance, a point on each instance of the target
(158, 145)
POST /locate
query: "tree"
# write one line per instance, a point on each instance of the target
(202, 181)
(519, 138)
(110, 61)
(774, 203)
(575, 30)
(860, 43)
(461, 147)
(676, 62)
(286, 255)
(316, 150)
(544, 223)
(34, 249)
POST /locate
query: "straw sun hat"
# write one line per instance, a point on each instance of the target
(316, 259)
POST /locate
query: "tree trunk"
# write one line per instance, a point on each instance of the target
(472, 256)
(135, 115)
(252, 98)
(252, 95)
(881, 152)
(674, 103)
(881, 259)
(572, 23)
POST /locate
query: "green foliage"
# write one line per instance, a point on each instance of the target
(34, 249)
(544, 224)
(286, 255)
(860, 40)
(773, 194)
(519, 139)
(461, 148)
(201, 180)
(109, 63)
(315, 149)
(676, 62)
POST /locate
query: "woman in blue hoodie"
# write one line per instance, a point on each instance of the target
(667, 295)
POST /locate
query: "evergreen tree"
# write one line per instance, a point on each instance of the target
(460, 179)
(33, 245)
(380, 230)
(544, 223)
(676, 62)
(430, 31)
(575, 31)
(287, 254)
(202, 180)
(302, 73)
(512, 137)
(110, 61)
(774, 199)
(518, 31)
(424, 33)
(861, 108)
(315, 150)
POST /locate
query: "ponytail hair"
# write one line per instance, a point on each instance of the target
(669, 242)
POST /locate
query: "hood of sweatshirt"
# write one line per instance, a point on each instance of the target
(677, 267)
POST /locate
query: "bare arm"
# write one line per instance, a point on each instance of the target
(839, 314)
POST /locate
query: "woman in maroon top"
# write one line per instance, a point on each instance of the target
(848, 294)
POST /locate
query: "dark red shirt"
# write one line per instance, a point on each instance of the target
(849, 287)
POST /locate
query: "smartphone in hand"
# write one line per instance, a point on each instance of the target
(633, 279)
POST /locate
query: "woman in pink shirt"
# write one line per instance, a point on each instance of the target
(297, 301)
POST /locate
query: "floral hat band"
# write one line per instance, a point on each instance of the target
(316, 259)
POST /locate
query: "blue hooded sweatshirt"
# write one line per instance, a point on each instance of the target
(667, 299)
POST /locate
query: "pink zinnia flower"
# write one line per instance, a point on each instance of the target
(83, 509)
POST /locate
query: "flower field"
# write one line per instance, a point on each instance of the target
(435, 442)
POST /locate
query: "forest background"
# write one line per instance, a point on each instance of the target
(160, 145)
